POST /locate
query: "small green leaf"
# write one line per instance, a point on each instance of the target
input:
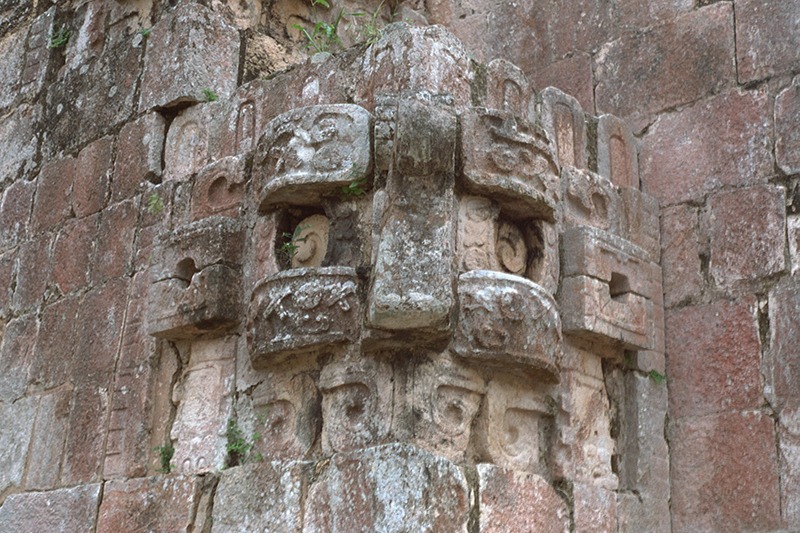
(210, 95)
(657, 376)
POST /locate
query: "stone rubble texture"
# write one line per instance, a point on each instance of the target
(404, 284)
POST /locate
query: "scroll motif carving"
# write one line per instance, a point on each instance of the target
(511, 159)
(476, 233)
(310, 152)
(312, 242)
(508, 321)
(302, 309)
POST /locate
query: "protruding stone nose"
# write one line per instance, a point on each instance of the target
(414, 268)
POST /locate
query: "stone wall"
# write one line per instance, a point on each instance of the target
(206, 236)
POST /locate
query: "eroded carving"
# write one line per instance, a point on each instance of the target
(311, 242)
(302, 309)
(310, 152)
(287, 411)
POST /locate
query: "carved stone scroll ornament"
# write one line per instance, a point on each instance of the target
(311, 241)
(311, 152)
(301, 310)
(509, 322)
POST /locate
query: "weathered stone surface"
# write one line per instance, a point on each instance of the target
(787, 134)
(113, 251)
(92, 175)
(504, 494)
(186, 148)
(595, 508)
(32, 282)
(47, 441)
(18, 128)
(16, 436)
(52, 205)
(675, 170)
(616, 152)
(508, 90)
(415, 225)
(724, 472)
(219, 188)
(161, 503)
(73, 509)
(139, 151)
(589, 199)
(511, 161)
(694, 54)
(55, 344)
(767, 38)
(388, 488)
(446, 397)
(789, 455)
(746, 228)
(639, 514)
(15, 213)
(572, 75)
(72, 252)
(507, 321)
(204, 399)
(17, 340)
(409, 59)
(197, 280)
(680, 254)
(511, 431)
(639, 221)
(563, 120)
(260, 496)
(713, 358)
(793, 233)
(356, 404)
(310, 152)
(178, 65)
(302, 310)
(784, 313)
(287, 410)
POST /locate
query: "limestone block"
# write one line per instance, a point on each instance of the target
(760, 51)
(168, 503)
(414, 59)
(590, 199)
(72, 509)
(16, 436)
(37, 54)
(302, 310)
(511, 430)
(356, 404)
(388, 488)
(477, 230)
(590, 310)
(197, 281)
(261, 497)
(47, 441)
(186, 149)
(178, 65)
(563, 121)
(287, 409)
(15, 212)
(416, 233)
(616, 152)
(639, 221)
(508, 90)
(17, 344)
(310, 152)
(595, 509)
(203, 396)
(19, 129)
(219, 188)
(787, 136)
(509, 322)
(784, 360)
(511, 161)
(446, 397)
(140, 147)
(504, 494)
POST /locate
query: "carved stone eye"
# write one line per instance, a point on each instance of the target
(454, 409)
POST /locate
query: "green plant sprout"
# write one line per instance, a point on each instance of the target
(209, 95)
(657, 377)
(145, 32)
(155, 205)
(165, 453)
(356, 187)
(239, 447)
(289, 247)
(59, 38)
(324, 35)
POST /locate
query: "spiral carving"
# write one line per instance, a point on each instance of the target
(512, 252)
(312, 242)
